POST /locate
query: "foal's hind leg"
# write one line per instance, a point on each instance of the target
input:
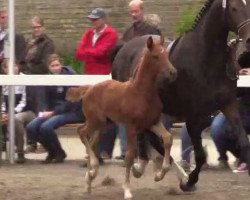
(167, 137)
(93, 162)
(161, 131)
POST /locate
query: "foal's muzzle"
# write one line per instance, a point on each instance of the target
(171, 74)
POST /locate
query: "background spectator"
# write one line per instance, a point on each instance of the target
(38, 49)
(24, 110)
(96, 44)
(20, 43)
(57, 112)
(139, 26)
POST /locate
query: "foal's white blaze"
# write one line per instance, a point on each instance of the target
(244, 1)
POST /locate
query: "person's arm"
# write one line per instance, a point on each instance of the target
(23, 101)
(39, 62)
(3, 107)
(20, 46)
(80, 50)
(245, 71)
(4, 97)
(48, 49)
(102, 50)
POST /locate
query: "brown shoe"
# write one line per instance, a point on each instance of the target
(20, 158)
(50, 157)
(60, 156)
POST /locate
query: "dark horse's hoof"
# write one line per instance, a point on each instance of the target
(187, 188)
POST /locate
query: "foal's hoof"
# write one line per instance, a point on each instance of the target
(187, 188)
(137, 170)
(158, 178)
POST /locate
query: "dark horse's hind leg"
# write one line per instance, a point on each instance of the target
(195, 126)
(232, 114)
(153, 139)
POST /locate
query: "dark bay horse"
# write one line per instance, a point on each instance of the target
(135, 103)
(203, 85)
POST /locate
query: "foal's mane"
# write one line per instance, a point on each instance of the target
(138, 66)
(201, 13)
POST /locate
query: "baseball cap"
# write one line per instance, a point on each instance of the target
(97, 13)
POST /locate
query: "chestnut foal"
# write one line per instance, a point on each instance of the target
(134, 103)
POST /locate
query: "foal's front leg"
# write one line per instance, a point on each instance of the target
(93, 163)
(129, 160)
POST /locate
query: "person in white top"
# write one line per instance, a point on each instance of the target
(23, 112)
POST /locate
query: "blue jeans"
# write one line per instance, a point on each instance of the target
(186, 143)
(224, 139)
(108, 139)
(123, 138)
(42, 130)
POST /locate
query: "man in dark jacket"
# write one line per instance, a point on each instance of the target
(139, 26)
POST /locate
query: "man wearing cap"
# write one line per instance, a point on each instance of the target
(96, 44)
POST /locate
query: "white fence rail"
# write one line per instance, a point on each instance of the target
(73, 80)
(69, 80)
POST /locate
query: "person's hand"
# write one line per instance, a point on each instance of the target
(1, 56)
(245, 71)
(5, 119)
(46, 114)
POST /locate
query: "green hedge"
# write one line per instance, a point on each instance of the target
(69, 60)
(187, 17)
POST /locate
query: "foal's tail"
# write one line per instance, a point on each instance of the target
(75, 94)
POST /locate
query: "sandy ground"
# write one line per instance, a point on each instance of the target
(34, 181)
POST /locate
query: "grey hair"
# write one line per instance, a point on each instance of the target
(153, 19)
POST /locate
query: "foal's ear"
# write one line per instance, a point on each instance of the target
(150, 43)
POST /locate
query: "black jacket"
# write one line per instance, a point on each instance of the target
(36, 55)
(139, 29)
(55, 98)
